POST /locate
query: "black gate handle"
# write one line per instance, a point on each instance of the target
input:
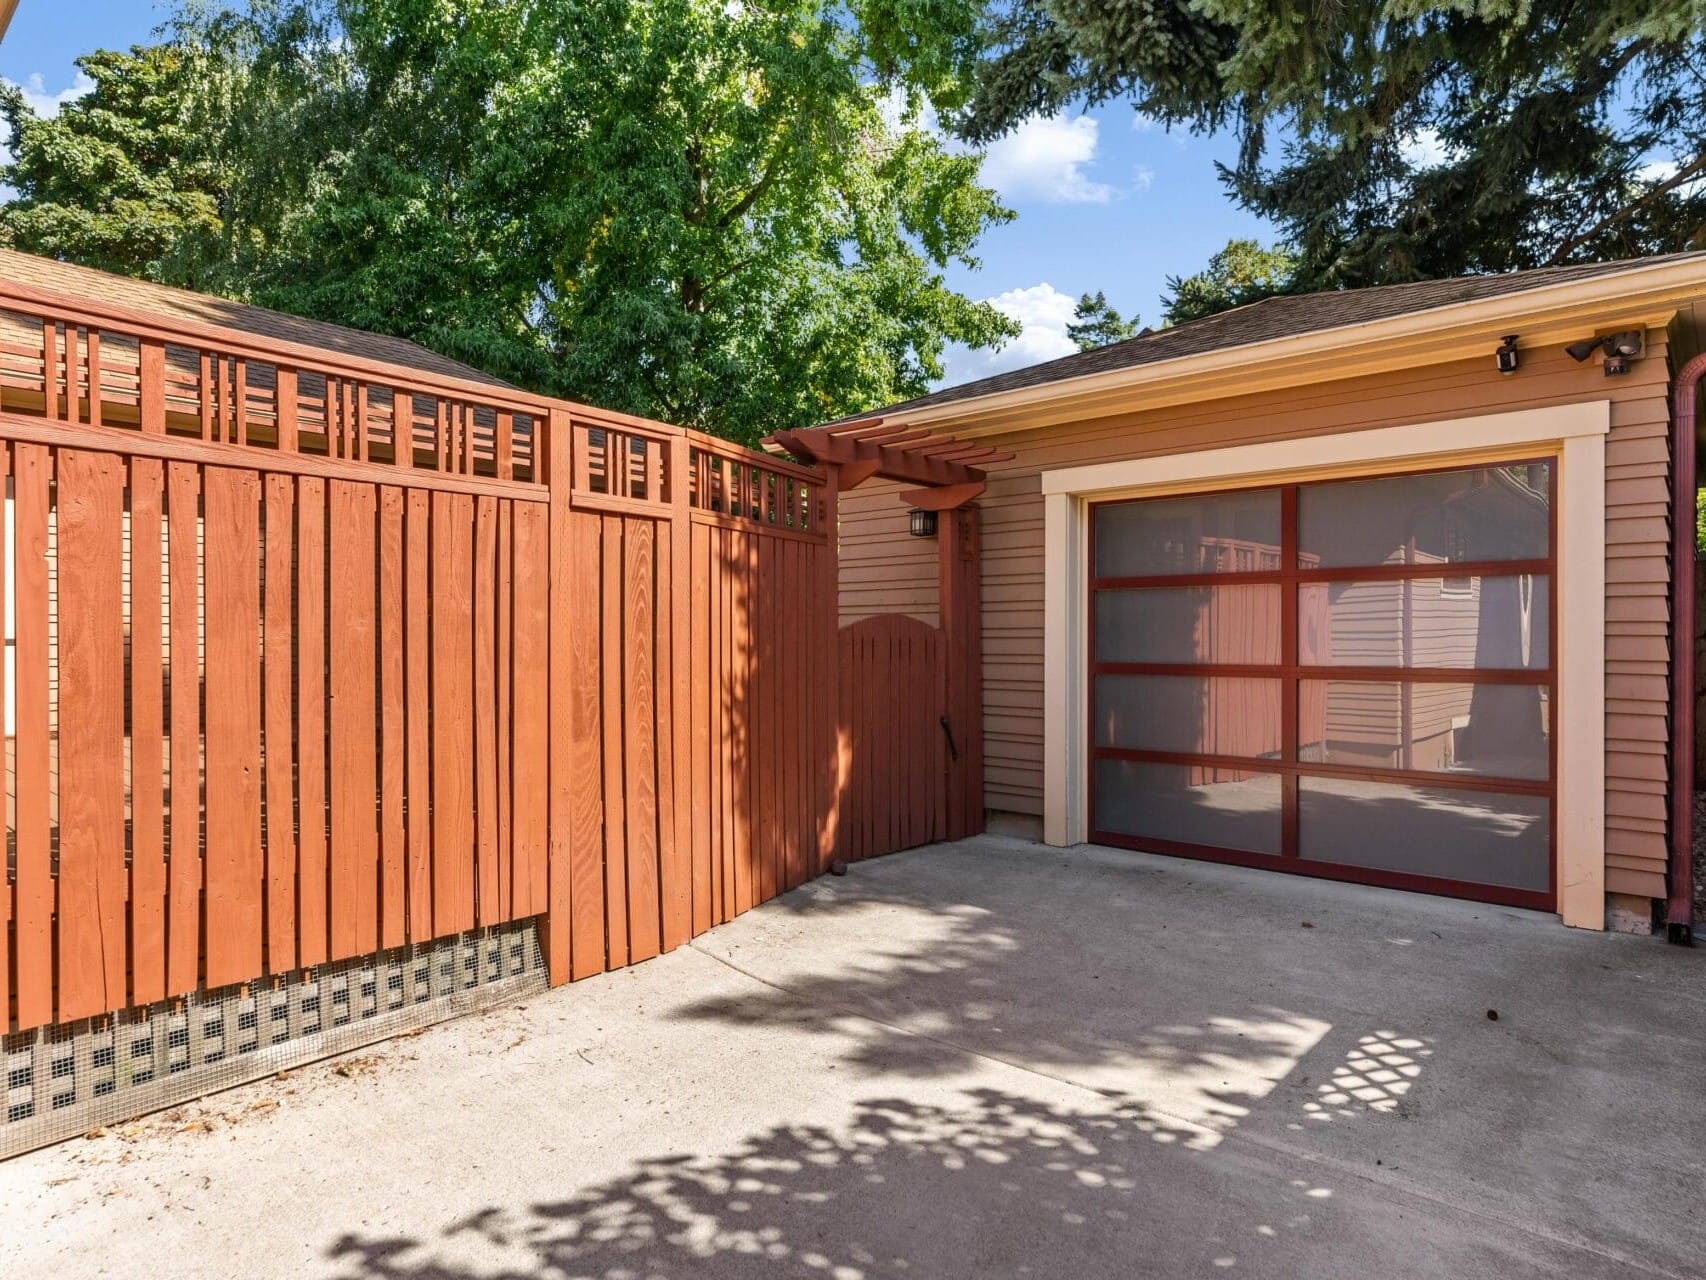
(953, 751)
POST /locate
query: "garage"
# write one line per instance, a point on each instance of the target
(1369, 585)
(1345, 677)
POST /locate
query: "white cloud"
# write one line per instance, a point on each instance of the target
(1046, 159)
(1425, 149)
(1143, 177)
(44, 103)
(1043, 312)
(1657, 171)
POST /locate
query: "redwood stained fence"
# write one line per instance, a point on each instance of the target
(312, 657)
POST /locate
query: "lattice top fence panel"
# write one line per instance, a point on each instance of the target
(71, 364)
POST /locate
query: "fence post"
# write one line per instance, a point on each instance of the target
(151, 384)
(833, 764)
(678, 905)
(558, 476)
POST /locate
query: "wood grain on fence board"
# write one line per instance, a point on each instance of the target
(278, 651)
(147, 736)
(232, 944)
(312, 930)
(393, 817)
(92, 876)
(353, 903)
(453, 727)
(615, 808)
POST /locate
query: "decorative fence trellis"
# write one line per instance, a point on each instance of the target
(313, 658)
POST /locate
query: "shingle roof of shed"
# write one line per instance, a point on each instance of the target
(181, 304)
(1280, 317)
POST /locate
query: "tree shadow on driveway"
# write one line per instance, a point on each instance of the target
(1002, 1185)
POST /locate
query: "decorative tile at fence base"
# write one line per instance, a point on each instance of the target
(64, 1080)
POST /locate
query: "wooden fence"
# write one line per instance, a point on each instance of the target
(312, 656)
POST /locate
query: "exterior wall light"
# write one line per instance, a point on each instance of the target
(1619, 349)
(1506, 354)
(923, 524)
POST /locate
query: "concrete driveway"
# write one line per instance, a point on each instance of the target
(986, 1059)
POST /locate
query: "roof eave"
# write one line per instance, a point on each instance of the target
(1641, 297)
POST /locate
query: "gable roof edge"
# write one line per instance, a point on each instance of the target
(1642, 296)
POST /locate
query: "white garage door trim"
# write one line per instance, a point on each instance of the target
(1575, 433)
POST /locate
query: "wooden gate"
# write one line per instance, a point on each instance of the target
(894, 736)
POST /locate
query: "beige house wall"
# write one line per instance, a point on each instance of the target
(886, 571)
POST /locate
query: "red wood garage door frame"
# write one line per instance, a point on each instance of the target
(1289, 768)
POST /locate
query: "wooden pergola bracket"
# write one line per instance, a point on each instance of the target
(943, 497)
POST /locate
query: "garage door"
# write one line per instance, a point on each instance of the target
(1349, 678)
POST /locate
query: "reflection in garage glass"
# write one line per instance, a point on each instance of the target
(1354, 678)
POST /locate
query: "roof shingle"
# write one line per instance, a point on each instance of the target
(1280, 317)
(181, 304)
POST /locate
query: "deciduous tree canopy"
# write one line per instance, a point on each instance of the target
(729, 215)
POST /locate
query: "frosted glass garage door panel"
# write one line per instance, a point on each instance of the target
(1238, 625)
(1199, 715)
(1440, 517)
(1189, 804)
(1213, 533)
(1492, 623)
(1477, 837)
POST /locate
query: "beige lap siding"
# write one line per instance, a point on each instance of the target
(883, 570)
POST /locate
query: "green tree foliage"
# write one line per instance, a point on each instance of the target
(1392, 140)
(1095, 323)
(1244, 271)
(116, 180)
(729, 215)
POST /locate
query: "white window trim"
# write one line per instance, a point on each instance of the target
(1574, 433)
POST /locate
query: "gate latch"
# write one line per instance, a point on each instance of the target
(953, 751)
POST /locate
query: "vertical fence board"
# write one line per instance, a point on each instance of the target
(234, 872)
(700, 657)
(184, 856)
(6, 890)
(552, 459)
(452, 696)
(354, 885)
(743, 706)
(615, 807)
(793, 637)
(531, 639)
(92, 875)
(504, 593)
(670, 883)
(485, 762)
(417, 644)
(147, 736)
(583, 631)
(722, 841)
(393, 857)
(32, 468)
(677, 606)
(312, 933)
(639, 737)
(769, 675)
(279, 756)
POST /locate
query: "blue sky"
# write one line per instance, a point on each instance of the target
(1105, 201)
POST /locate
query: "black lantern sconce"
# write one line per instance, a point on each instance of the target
(923, 524)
